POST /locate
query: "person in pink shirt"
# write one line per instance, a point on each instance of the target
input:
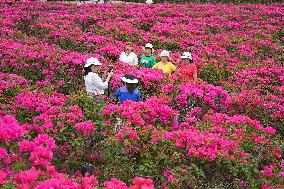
(188, 69)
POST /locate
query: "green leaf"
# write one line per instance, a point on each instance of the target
(8, 186)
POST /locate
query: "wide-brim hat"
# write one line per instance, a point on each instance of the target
(129, 78)
(186, 55)
(92, 61)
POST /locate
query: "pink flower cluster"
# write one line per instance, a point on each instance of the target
(39, 102)
(85, 127)
(223, 138)
(213, 97)
(143, 113)
(12, 81)
(41, 150)
(138, 183)
(10, 130)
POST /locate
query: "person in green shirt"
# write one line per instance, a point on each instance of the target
(148, 60)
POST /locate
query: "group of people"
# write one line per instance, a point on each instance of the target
(188, 69)
(96, 85)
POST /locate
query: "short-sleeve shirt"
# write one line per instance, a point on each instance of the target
(123, 95)
(131, 59)
(147, 61)
(188, 71)
(167, 68)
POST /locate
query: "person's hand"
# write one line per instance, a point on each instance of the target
(110, 74)
(178, 71)
(105, 73)
(104, 76)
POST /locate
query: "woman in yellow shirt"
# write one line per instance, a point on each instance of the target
(165, 64)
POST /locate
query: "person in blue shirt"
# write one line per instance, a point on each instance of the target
(130, 91)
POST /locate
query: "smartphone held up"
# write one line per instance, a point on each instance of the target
(110, 68)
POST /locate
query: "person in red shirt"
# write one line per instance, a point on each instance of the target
(188, 69)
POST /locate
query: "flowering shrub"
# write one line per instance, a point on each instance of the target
(10, 129)
(209, 97)
(207, 1)
(224, 131)
(152, 111)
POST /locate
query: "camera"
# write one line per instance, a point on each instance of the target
(110, 68)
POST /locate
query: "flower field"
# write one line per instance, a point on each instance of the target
(225, 131)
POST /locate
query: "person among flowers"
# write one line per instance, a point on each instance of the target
(128, 56)
(130, 91)
(148, 60)
(95, 85)
(165, 65)
(188, 69)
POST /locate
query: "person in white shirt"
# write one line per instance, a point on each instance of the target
(95, 85)
(128, 56)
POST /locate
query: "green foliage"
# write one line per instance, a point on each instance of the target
(212, 74)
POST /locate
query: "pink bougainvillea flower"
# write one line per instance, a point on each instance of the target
(85, 127)
(115, 184)
(26, 177)
(142, 183)
(10, 129)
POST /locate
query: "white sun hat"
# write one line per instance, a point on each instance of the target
(165, 53)
(129, 78)
(186, 55)
(149, 1)
(92, 61)
(149, 45)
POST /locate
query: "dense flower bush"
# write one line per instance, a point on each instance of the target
(224, 131)
(208, 1)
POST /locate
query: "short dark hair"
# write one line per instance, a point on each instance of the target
(131, 87)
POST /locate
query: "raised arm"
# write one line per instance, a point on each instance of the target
(99, 82)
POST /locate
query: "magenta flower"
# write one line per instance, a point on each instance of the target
(3, 177)
(142, 183)
(45, 141)
(10, 129)
(89, 182)
(41, 156)
(26, 177)
(115, 184)
(85, 127)
(268, 171)
(3, 153)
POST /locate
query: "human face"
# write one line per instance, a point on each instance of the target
(128, 48)
(186, 61)
(148, 51)
(94, 68)
(164, 59)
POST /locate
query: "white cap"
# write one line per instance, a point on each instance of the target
(165, 53)
(92, 61)
(186, 55)
(149, 45)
